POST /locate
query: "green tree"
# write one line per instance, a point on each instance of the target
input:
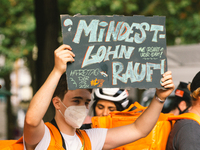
(182, 16)
(17, 25)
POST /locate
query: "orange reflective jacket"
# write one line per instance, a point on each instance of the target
(156, 139)
(55, 143)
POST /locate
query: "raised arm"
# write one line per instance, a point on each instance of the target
(145, 123)
(34, 126)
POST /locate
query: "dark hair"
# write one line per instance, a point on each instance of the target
(118, 106)
(62, 87)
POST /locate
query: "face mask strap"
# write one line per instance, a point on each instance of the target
(62, 103)
(59, 109)
(61, 113)
(184, 110)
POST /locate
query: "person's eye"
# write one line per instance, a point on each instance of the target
(87, 104)
(76, 101)
(112, 109)
(100, 106)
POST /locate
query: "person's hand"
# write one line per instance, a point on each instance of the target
(62, 55)
(168, 84)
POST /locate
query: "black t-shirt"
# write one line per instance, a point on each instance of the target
(185, 135)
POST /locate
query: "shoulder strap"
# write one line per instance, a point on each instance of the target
(55, 124)
(137, 106)
(81, 134)
(84, 139)
(56, 134)
(191, 116)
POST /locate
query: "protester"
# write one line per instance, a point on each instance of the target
(106, 100)
(71, 109)
(182, 101)
(186, 133)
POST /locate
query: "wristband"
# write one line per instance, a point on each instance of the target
(157, 98)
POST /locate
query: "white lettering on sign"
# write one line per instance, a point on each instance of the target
(135, 73)
(103, 54)
(122, 31)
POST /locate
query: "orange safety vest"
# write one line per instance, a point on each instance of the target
(55, 143)
(156, 139)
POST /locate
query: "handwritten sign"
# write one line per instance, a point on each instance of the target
(115, 51)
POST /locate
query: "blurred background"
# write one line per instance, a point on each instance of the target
(30, 31)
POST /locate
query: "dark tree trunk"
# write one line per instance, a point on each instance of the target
(47, 29)
(139, 94)
(10, 116)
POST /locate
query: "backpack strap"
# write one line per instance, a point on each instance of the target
(137, 106)
(57, 139)
(191, 116)
(86, 144)
(55, 124)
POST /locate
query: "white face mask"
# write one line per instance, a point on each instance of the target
(75, 115)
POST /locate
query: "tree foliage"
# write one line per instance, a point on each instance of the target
(182, 16)
(17, 22)
(17, 26)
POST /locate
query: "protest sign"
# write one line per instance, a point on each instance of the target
(115, 51)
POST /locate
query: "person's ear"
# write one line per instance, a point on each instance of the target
(56, 102)
(182, 105)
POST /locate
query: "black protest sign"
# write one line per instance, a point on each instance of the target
(115, 51)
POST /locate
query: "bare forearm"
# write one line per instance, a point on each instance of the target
(148, 119)
(41, 100)
(139, 129)
(145, 123)
(34, 127)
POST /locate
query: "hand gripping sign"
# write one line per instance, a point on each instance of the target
(115, 51)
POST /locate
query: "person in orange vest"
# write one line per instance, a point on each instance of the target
(106, 100)
(186, 132)
(181, 102)
(71, 110)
